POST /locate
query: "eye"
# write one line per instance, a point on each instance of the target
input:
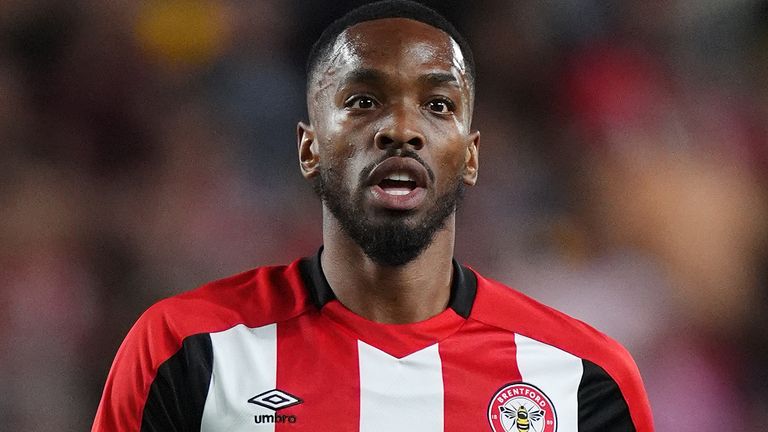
(441, 106)
(361, 102)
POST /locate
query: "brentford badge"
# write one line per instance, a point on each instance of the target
(521, 407)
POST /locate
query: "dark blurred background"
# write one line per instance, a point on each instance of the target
(149, 146)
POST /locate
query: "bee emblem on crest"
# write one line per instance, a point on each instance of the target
(523, 418)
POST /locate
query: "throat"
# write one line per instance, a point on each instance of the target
(410, 293)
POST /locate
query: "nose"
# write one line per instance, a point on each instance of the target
(401, 129)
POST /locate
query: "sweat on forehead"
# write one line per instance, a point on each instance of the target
(381, 10)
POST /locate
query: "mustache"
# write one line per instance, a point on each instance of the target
(366, 171)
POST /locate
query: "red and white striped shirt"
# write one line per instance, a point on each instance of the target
(273, 350)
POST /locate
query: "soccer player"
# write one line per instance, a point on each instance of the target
(381, 330)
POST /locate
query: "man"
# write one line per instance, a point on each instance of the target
(381, 330)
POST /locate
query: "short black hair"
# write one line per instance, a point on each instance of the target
(387, 9)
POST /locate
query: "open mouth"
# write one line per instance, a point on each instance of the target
(398, 183)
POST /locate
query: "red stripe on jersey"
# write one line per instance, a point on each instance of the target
(318, 364)
(477, 361)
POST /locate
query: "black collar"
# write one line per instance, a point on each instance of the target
(463, 285)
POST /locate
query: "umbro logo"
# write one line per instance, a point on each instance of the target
(275, 399)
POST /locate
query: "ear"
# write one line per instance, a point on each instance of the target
(309, 157)
(471, 159)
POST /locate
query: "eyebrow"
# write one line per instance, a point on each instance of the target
(439, 78)
(364, 75)
(374, 76)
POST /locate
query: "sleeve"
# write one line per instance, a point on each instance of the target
(177, 395)
(613, 404)
(158, 380)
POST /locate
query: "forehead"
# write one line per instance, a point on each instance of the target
(396, 44)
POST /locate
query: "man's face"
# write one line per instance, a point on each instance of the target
(389, 147)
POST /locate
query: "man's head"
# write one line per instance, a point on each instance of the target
(389, 147)
(321, 50)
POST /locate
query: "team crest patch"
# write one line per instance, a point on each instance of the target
(521, 407)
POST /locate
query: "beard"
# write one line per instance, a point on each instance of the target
(392, 242)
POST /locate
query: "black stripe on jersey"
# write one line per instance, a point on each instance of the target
(602, 407)
(177, 395)
(463, 285)
(314, 279)
(463, 290)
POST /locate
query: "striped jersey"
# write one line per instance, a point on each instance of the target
(272, 349)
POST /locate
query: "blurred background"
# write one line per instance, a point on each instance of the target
(149, 146)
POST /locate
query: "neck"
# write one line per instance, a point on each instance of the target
(409, 293)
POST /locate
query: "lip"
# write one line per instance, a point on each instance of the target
(405, 202)
(399, 163)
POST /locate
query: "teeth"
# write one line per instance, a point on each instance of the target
(398, 192)
(399, 176)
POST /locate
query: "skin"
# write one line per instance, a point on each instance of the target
(385, 91)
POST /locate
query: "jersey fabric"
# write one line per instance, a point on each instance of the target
(272, 349)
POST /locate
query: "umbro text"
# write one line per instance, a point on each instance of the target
(274, 418)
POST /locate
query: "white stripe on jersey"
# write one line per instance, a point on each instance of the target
(244, 365)
(403, 394)
(556, 373)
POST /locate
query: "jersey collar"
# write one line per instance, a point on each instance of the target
(463, 285)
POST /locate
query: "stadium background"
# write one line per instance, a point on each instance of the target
(149, 146)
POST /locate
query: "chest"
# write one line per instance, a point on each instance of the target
(309, 375)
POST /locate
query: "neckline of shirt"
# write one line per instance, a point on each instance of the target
(398, 340)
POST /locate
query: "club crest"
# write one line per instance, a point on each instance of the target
(521, 407)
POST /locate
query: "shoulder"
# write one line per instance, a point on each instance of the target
(253, 298)
(604, 361)
(501, 306)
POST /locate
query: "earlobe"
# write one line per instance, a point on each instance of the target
(471, 161)
(309, 157)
